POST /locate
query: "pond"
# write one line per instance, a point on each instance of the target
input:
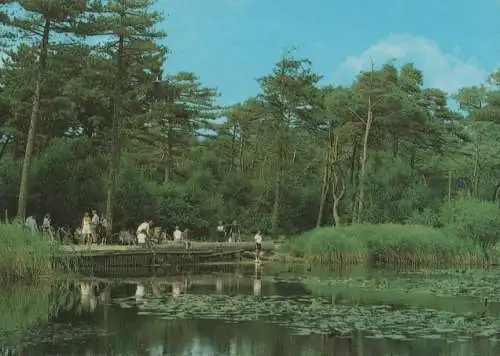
(257, 310)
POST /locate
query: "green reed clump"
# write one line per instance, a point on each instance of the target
(23, 254)
(386, 243)
(24, 305)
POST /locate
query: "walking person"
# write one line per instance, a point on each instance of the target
(258, 246)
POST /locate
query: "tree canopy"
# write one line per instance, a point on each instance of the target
(90, 118)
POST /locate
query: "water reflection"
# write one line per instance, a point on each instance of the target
(88, 321)
(88, 297)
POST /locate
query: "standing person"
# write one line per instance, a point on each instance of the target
(31, 224)
(87, 229)
(221, 232)
(105, 229)
(177, 234)
(234, 232)
(47, 226)
(258, 245)
(143, 231)
(94, 225)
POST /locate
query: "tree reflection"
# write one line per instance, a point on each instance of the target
(109, 327)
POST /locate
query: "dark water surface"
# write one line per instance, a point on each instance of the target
(244, 310)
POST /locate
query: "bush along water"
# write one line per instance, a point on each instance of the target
(24, 255)
(467, 234)
(385, 243)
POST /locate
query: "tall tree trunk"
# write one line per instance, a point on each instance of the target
(338, 190)
(233, 149)
(337, 183)
(395, 145)
(114, 167)
(362, 163)
(324, 192)
(354, 158)
(325, 187)
(30, 142)
(276, 205)
(277, 193)
(169, 162)
(4, 146)
(449, 185)
(496, 193)
(241, 165)
(475, 173)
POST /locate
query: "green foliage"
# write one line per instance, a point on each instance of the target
(284, 161)
(385, 243)
(472, 219)
(24, 255)
(426, 217)
(68, 179)
(138, 199)
(25, 306)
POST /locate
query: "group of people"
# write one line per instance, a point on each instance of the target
(232, 233)
(31, 224)
(93, 227)
(146, 232)
(229, 232)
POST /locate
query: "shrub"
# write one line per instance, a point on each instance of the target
(472, 219)
(386, 243)
(24, 255)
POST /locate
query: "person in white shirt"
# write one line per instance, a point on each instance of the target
(46, 226)
(258, 245)
(143, 231)
(177, 234)
(221, 231)
(31, 224)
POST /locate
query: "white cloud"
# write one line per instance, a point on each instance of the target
(441, 70)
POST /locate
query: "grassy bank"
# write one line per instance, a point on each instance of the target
(24, 255)
(387, 243)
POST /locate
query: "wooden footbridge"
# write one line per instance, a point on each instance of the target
(98, 257)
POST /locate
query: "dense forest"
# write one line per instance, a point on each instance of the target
(89, 118)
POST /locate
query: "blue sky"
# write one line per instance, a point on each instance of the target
(230, 43)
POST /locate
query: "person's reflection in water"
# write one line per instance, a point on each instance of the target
(140, 291)
(156, 287)
(257, 282)
(176, 289)
(88, 297)
(257, 286)
(218, 285)
(105, 295)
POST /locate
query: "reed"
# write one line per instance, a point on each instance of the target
(23, 254)
(388, 244)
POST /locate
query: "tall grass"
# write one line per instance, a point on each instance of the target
(386, 243)
(23, 254)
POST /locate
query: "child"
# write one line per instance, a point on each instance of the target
(87, 228)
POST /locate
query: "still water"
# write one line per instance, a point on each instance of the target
(247, 310)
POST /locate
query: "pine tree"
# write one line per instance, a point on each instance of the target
(38, 19)
(132, 42)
